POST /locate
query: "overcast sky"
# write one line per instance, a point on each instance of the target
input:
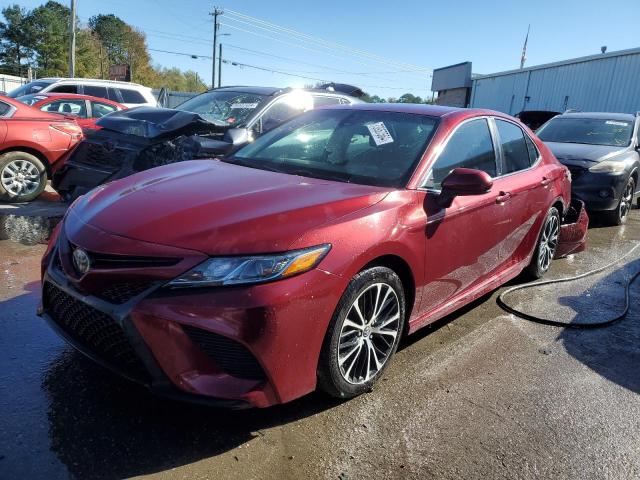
(388, 47)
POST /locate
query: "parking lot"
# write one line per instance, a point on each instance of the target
(480, 394)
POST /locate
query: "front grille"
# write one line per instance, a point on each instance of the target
(120, 293)
(108, 260)
(227, 354)
(95, 154)
(95, 331)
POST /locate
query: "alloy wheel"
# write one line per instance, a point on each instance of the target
(368, 333)
(548, 242)
(626, 200)
(20, 178)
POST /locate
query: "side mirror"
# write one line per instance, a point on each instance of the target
(237, 136)
(463, 181)
(233, 139)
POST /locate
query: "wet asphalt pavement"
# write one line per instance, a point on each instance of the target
(481, 394)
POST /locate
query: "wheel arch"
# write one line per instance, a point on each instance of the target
(401, 267)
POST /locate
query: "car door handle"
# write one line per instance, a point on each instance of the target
(545, 181)
(503, 197)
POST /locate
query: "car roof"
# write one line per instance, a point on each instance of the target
(599, 115)
(272, 91)
(249, 89)
(415, 108)
(72, 96)
(88, 80)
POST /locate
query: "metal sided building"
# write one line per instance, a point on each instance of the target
(608, 82)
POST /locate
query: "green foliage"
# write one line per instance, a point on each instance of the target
(406, 98)
(40, 39)
(16, 37)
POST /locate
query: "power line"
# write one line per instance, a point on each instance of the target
(247, 19)
(292, 60)
(235, 63)
(291, 44)
(192, 55)
(280, 72)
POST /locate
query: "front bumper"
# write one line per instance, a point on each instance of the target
(77, 178)
(232, 347)
(599, 191)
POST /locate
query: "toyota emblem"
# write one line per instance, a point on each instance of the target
(81, 261)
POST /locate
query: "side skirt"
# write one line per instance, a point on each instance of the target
(467, 296)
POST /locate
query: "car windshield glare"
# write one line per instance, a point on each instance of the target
(231, 108)
(28, 88)
(30, 99)
(367, 147)
(591, 131)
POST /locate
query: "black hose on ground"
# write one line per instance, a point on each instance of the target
(578, 325)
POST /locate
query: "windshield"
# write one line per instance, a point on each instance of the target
(592, 131)
(30, 99)
(28, 88)
(359, 146)
(232, 108)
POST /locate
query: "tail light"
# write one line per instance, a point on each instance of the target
(69, 128)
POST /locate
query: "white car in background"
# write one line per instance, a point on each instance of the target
(125, 93)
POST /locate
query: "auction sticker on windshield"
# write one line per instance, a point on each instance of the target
(380, 133)
(244, 106)
(619, 124)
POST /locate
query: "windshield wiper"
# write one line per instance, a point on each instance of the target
(245, 163)
(322, 175)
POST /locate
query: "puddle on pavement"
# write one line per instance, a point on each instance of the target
(27, 230)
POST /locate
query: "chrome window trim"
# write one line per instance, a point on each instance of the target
(446, 142)
(531, 167)
(497, 147)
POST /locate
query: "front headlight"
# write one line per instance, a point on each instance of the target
(252, 269)
(608, 166)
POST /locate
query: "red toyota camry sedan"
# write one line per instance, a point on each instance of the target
(300, 261)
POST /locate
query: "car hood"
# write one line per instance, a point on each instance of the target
(153, 122)
(219, 208)
(570, 152)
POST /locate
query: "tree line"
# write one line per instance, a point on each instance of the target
(38, 39)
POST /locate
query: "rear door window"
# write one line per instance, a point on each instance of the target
(320, 100)
(4, 108)
(131, 96)
(77, 108)
(113, 94)
(96, 91)
(515, 153)
(64, 89)
(533, 150)
(99, 109)
(470, 146)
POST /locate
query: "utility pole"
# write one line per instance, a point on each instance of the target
(216, 11)
(220, 66)
(72, 41)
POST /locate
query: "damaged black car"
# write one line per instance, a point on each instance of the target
(212, 124)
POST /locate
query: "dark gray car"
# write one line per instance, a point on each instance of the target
(602, 152)
(211, 124)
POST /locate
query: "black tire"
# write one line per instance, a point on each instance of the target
(364, 286)
(621, 212)
(8, 163)
(548, 240)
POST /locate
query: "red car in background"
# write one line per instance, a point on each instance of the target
(302, 259)
(31, 142)
(85, 108)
